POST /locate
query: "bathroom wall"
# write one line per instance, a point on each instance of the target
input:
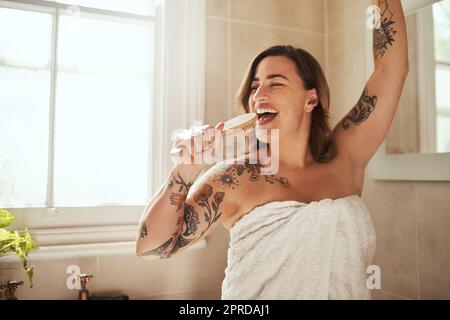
(238, 30)
(412, 219)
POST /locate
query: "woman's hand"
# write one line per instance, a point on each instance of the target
(191, 145)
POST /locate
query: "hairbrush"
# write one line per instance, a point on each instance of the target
(242, 125)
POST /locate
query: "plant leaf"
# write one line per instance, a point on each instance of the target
(4, 235)
(6, 218)
(16, 242)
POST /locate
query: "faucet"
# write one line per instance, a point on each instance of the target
(84, 292)
(10, 288)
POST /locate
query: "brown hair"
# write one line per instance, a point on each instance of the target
(321, 141)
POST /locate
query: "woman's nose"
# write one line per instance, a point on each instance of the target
(260, 95)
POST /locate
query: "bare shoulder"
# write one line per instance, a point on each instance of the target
(240, 184)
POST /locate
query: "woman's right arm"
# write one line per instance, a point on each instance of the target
(185, 209)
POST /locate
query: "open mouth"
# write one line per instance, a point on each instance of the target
(266, 117)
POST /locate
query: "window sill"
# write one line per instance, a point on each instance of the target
(64, 243)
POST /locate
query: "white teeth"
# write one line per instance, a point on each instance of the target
(261, 111)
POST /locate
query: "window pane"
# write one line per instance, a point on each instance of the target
(143, 7)
(443, 107)
(441, 16)
(25, 40)
(102, 112)
(442, 83)
(443, 134)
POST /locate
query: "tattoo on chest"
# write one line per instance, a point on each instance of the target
(361, 111)
(229, 178)
(383, 37)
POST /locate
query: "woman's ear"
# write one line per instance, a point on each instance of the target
(311, 100)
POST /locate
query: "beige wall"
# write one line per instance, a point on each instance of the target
(412, 219)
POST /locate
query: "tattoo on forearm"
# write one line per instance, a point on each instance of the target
(361, 111)
(187, 226)
(178, 199)
(384, 36)
(179, 238)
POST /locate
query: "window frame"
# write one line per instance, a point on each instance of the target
(427, 66)
(94, 230)
(426, 80)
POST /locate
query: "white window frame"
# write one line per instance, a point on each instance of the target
(179, 90)
(426, 66)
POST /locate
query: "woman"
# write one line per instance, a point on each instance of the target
(304, 232)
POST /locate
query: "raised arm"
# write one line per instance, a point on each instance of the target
(361, 132)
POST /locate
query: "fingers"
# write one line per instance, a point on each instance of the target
(220, 126)
(199, 138)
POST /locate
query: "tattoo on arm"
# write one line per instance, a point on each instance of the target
(143, 232)
(361, 111)
(187, 226)
(383, 36)
(178, 199)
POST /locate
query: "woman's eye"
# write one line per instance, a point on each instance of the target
(272, 85)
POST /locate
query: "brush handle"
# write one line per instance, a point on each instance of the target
(245, 122)
(228, 137)
(176, 150)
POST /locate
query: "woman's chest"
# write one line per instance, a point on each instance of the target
(332, 180)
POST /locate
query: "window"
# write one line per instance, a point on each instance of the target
(88, 94)
(75, 97)
(441, 19)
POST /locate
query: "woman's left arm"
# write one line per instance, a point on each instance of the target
(361, 132)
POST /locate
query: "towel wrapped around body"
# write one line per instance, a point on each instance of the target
(293, 250)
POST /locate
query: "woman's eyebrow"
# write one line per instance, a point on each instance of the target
(271, 76)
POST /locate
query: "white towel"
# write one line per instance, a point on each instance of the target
(293, 250)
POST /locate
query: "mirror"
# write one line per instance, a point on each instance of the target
(403, 156)
(422, 122)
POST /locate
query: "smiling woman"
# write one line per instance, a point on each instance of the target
(309, 220)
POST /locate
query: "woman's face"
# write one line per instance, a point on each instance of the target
(277, 86)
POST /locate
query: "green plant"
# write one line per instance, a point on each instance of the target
(16, 242)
